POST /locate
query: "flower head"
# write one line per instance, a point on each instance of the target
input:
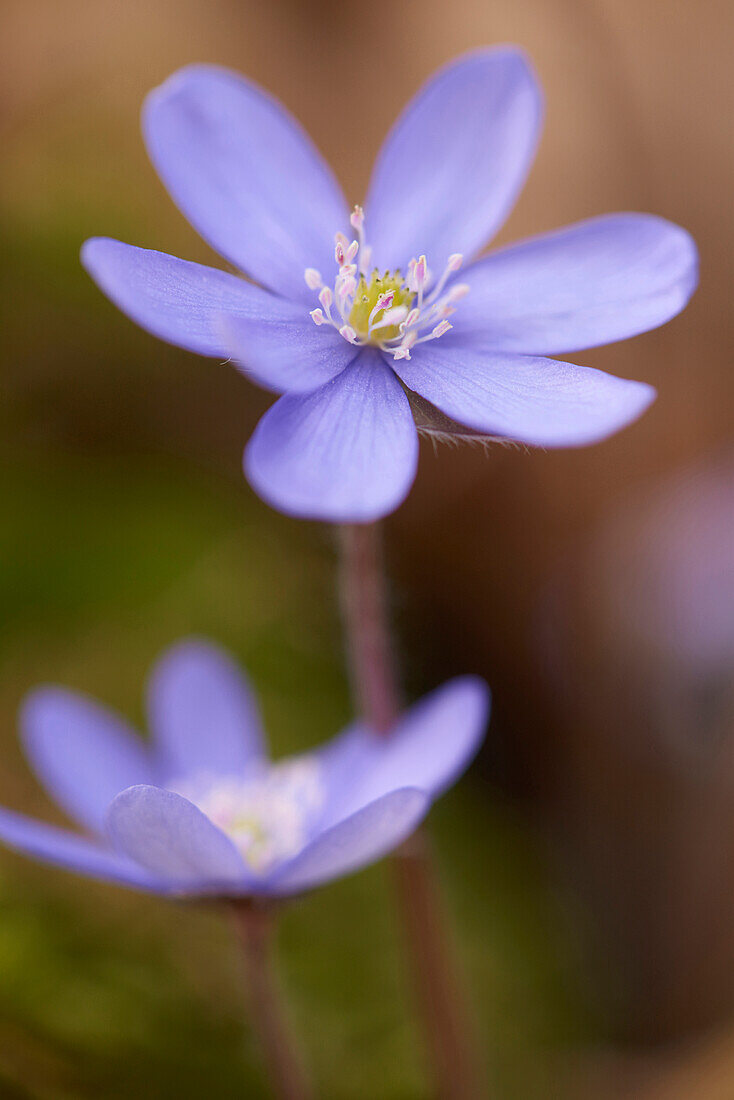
(202, 811)
(359, 315)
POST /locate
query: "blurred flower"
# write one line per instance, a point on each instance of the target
(341, 444)
(664, 566)
(203, 811)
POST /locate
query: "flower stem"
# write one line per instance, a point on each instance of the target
(368, 639)
(448, 1033)
(280, 1052)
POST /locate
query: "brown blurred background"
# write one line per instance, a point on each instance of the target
(612, 752)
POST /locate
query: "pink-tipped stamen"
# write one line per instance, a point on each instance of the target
(326, 297)
(456, 293)
(390, 317)
(455, 261)
(408, 322)
(383, 302)
(441, 329)
(403, 350)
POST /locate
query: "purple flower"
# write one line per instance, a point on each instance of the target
(202, 810)
(349, 357)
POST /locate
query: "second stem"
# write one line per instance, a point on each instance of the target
(449, 1036)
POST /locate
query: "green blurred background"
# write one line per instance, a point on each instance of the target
(572, 876)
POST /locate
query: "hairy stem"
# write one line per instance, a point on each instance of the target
(366, 624)
(280, 1052)
(447, 1029)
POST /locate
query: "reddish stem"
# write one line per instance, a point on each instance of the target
(280, 1052)
(449, 1036)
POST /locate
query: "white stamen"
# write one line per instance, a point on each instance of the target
(345, 287)
(456, 293)
(391, 317)
(411, 324)
(268, 813)
(454, 263)
(403, 351)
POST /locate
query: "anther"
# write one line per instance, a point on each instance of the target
(457, 292)
(391, 317)
(318, 317)
(313, 278)
(403, 351)
(348, 333)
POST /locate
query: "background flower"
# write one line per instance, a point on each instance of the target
(203, 811)
(340, 444)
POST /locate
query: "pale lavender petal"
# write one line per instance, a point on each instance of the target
(364, 837)
(74, 853)
(285, 350)
(203, 713)
(588, 284)
(432, 744)
(82, 752)
(246, 176)
(172, 839)
(175, 300)
(543, 402)
(346, 453)
(452, 166)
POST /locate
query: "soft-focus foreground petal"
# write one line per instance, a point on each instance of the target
(175, 300)
(171, 838)
(82, 752)
(202, 713)
(345, 453)
(364, 837)
(432, 744)
(285, 350)
(245, 175)
(543, 402)
(73, 853)
(455, 160)
(588, 284)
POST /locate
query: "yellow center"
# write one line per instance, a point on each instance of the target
(366, 297)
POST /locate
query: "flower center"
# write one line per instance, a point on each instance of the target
(384, 296)
(268, 814)
(385, 310)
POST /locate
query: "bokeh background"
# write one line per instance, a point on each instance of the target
(588, 858)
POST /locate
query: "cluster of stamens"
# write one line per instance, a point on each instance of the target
(268, 813)
(385, 310)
